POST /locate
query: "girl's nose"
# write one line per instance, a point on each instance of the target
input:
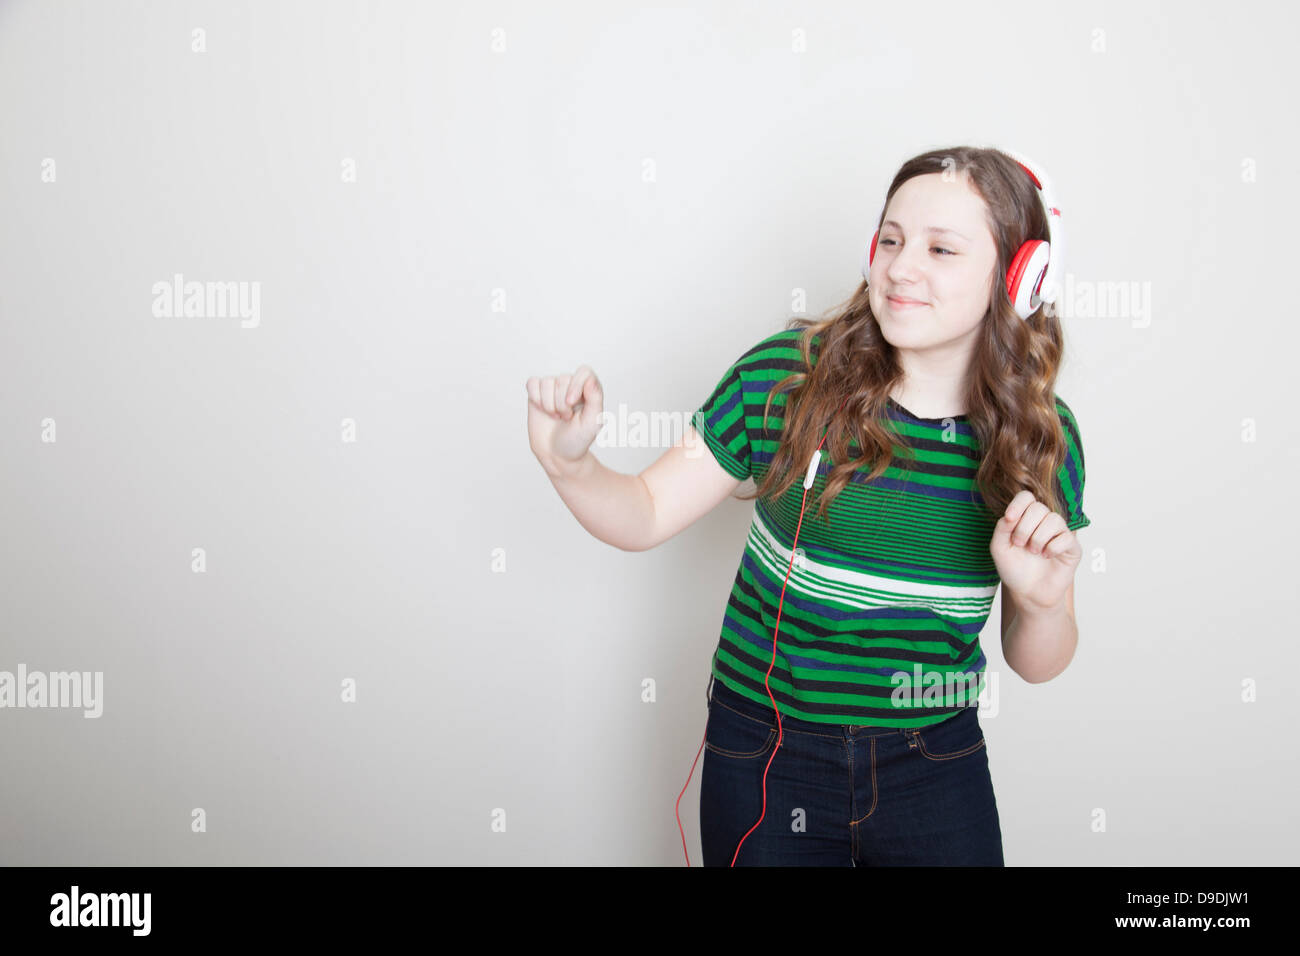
(903, 267)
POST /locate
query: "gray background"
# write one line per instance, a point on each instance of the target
(521, 170)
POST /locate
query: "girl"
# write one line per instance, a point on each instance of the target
(842, 723)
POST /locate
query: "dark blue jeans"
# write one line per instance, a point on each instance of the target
(844, 795)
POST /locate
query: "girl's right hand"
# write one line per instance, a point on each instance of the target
(564, 416)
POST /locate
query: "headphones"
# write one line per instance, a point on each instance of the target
(1032, 275)
(1031, 282)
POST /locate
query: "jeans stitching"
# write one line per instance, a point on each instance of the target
(853, 801)
(771, 736)
(874, 794)
(960, 753)
(920, 739)
(853, 797)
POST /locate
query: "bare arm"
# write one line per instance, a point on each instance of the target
(1038, 645)
(638, 512)
(630, 512)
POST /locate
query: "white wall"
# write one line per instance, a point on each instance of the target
(522, 170)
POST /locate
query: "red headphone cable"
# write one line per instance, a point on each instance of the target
(807, 483)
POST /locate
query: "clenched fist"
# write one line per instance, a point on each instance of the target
(563, 416)
(1035, 553)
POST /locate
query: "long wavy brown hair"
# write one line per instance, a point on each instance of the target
(1011, 400)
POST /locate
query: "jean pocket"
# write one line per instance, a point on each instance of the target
(955, 737)
(732, 734)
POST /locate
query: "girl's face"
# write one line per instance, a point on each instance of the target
(932, 275)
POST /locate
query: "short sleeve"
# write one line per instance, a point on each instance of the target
(1069, 479)
(721, 423)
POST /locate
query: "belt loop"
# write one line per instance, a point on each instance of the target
(708, 693)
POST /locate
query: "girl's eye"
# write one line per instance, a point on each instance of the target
(891, 242)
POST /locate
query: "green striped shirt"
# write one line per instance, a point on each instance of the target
(886, 600)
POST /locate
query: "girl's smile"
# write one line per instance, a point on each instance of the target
(898, 303)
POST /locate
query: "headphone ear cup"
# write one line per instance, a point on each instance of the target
(871, 254)
(1025, 275)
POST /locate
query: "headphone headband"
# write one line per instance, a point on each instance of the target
(1050, 290)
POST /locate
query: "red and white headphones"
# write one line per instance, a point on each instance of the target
(1036, 266)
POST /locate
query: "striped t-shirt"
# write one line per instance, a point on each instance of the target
(882, 613)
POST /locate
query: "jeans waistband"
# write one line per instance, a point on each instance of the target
(724, 694)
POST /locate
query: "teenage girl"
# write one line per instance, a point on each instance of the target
(843, 725)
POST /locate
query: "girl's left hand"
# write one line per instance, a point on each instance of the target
(1035, 553)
